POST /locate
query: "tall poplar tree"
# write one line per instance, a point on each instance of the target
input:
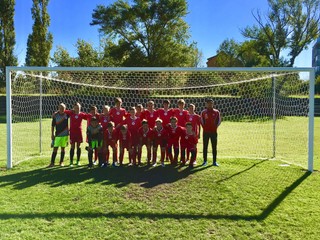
(7, 37)
(40, 40)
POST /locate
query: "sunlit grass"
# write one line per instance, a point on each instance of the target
(242, 199)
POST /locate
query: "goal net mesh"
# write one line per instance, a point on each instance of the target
(264, 113)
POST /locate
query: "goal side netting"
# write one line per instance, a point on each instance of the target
(267, 113)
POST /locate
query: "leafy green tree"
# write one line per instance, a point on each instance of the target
(40, 40)
(246, 54)
(87, 56)
(290, 25)
(7, 38)
(147, 32)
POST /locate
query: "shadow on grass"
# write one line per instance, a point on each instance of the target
(243, 171)
(148, 177)
(260, 217)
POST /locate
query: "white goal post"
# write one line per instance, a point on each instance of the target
(268, 113)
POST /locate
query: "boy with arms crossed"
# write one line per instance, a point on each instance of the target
(188, 142)
(160, 138)
(110, 140)
(145, 138)
(174, 133)
(125, 142)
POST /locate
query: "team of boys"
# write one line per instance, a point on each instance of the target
(115, 128)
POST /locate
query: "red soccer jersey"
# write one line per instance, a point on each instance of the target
(160, 137)
(165, 115)
(188, 141)
(76, 125)
(174, 134)
(145, 137)
(134, 125)
(151, 117)
(110, 138)
(210, 120)
(75, 120)
(117, 115)
(195, 120)
(181, 115)
(125, 139)
(104, 120)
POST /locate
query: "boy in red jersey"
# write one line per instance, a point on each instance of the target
(150, 114)
(93, 112)
(165, 113)
(134, 123)
(174, 133)
(210, 121)
(76, 117)
(139, 110)
(95, 141)
(59, 133)
(188, 142)
(117, 113)
(160, 138)
(124, 142)
(110, 140)
(145, 138)
(180, 113)
(104, 117)
(195, 120)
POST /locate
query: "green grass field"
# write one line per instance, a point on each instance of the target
(241, 199)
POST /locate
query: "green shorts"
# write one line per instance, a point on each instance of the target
(61, 141)
(96, 144)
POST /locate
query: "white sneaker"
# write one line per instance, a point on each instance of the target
(155, 164)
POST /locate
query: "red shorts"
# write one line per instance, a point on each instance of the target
(76, 136)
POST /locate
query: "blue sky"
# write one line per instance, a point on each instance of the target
(210, 21)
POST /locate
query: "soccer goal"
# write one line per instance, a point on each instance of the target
(268, 113)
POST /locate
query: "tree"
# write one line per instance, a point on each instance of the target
(147, 32)
(87, 56)
(7, 38)
(246, 54)
(289, 25)
(39, 42)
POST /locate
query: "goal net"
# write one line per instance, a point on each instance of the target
(266, 113)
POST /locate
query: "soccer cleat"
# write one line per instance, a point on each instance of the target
(204, 163)
(154, 164)
(95, 162)
(215, 164)
(61, 164)
(78, 163)
(115, 164)
(51, 165)
(90, 165)
(162, 164)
